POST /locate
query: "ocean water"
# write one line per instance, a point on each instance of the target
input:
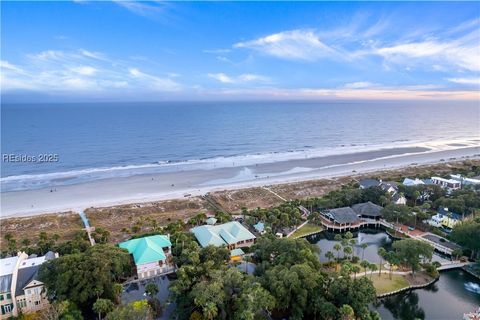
(102, 140)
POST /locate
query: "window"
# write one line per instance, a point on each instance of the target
(37, 303)
(28, 291)
(1, 297)
(9, 296)
(7, 308)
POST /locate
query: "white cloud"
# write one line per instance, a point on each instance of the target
(222, 77)
(84, 70)
(142, 8)
(469, 81)
(154, 82)
(293, 45)
(243, 78)
(359, 85)
(79, 71)
(463, 53)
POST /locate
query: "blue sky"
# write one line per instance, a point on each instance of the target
(86, 50)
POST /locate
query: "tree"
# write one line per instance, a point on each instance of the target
(355, 270)
(392, 260)
(151, 289)
(346, 312)
(411, 252)
(348, 251)
(397, 213)
(363, 246)
(365, 264)
(456, 253)
(102, 306)
(84, 277)
(337, 247)
(382, 254)
(138, 310)
(63, 310)
(329, 255)
(373, 268)
(415, 196)
(467, 234)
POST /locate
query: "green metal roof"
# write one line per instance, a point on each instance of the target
(236, 252)
(222, 234)
(147, 249)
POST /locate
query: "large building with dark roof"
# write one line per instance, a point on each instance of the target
(368, 210)
(343, 216)
(20, 289)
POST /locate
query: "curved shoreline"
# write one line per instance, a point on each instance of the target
(411, 287)
(178, 185)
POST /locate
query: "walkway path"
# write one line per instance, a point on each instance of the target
(274, 193)
(88, 228)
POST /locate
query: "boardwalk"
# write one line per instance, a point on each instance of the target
(87, 228)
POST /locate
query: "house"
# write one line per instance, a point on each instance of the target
(20, 289)
(232, 234)
(464, 181)
(368, 210)
(151, 255)
(343, 216)
(444, 218)
(211, 221)
(368, 183)
(398, 198)
(236, 254)
(259, 227)
(412, 182)
(448, 184)
(390, 187)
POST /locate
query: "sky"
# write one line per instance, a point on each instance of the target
(126, 51)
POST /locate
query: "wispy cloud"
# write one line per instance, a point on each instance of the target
(293, 45)
(79, 70)
(468, 81)
(463, 53)
(142, 8)
(243, 78)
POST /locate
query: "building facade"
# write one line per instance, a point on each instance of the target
(20, 289)
(151, 255)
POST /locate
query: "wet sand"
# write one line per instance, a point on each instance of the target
(174, 185)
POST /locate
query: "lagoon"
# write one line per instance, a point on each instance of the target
(446, 299)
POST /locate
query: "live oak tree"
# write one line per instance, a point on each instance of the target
(411, 252)
(468, 235)
(84, 277)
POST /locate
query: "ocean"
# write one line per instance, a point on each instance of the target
(48, 145)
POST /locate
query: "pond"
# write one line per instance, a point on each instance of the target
(375, 238)
(446, 299)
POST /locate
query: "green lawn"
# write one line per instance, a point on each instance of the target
(383, 284)
(306, 229)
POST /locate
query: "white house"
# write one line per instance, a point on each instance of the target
(449, 184)
(20, 289)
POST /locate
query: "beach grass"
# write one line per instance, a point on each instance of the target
(384, 284)
(307, 229)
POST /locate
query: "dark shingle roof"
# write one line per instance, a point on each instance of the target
(368, 209)
(344, 215)
(368, 183)
(25, 276)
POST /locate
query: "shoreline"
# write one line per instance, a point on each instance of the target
(186, 184)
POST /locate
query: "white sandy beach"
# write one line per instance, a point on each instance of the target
(174, 185)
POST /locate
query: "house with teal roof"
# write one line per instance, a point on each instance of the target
(231, 234)
(151, 255)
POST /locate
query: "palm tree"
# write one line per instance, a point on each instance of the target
(365, 265)
(382, 253)
(363, 246)
(355, 270)
(329, 255)
(337, 247)
(373, 268)
(102, 306)
(348, 251)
